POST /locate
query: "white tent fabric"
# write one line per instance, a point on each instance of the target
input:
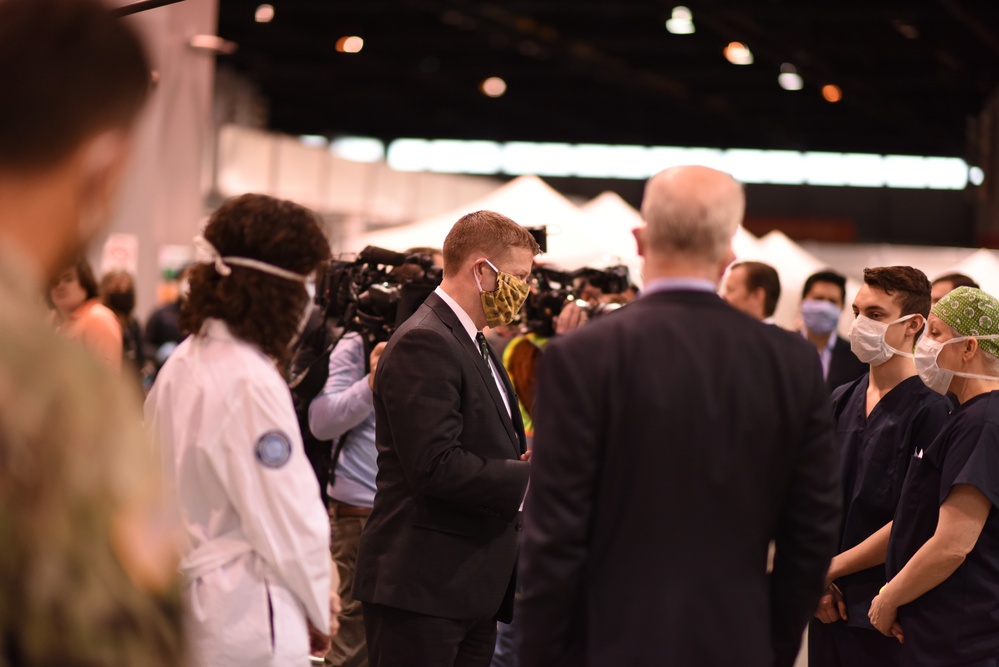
(983, 267)
(527, 199)
(852, 258)
(612, 220)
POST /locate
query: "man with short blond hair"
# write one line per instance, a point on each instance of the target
(435, 567)
(675, 438)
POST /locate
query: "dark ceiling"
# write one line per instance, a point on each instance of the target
(914, 74)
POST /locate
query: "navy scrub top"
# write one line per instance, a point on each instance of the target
(875, 451)
(958, 621)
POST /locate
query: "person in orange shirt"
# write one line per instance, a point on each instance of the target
(79, 314)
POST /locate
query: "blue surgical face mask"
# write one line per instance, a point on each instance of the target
(820, 317)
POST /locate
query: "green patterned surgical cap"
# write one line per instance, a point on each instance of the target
(971, 312)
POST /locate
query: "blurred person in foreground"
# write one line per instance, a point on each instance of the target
(822, 301)
(80, 315)
(942, 596)
(87, 564)
(882, 418)
(676, 438)
(436, 564)
(753, 288)
(948, 283)
(260, 580)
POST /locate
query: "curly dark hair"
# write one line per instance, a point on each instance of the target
(262, 309)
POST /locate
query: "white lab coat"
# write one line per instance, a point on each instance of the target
(256, 560)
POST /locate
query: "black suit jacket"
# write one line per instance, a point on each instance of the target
(442, 536)
(844, 366)
(675, 438)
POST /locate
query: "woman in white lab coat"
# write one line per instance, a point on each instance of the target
(256, 558)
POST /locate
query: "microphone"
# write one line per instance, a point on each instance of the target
(375, 255)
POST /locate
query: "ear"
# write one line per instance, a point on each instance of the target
(970, 347)
(914, 325)
(639, 234)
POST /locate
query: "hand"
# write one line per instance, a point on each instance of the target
(572, 317)
(832, 607)
(376, 354)
(319, 643)
(884, 617)
(526, 456)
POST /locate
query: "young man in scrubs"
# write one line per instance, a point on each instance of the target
(942, 597)
(881, 419)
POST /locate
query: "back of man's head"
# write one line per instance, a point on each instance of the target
(956, 280)
(484, 233)
(70, 71)
(908, 287)
(762, 276)
(692, 211)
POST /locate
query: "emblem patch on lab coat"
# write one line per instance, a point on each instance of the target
(273, 449)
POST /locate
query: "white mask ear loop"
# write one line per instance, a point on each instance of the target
(206, 253)
(900, 353)
(974, 376)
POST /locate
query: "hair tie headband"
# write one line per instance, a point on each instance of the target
(206, 253)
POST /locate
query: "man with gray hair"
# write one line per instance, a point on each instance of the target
(691, 438)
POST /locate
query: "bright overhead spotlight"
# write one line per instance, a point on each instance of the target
(789, 79)
(681, 22)
(493, 87)
(352, 44)
(264, 14)
(831, 93)
(738, 53)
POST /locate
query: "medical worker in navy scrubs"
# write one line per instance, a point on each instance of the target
(942, 596)
(882, 418)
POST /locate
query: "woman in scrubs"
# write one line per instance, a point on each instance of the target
(942, 596)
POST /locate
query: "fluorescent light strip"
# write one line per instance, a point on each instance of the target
(640, 162)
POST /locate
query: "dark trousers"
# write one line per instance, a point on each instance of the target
(839, 645)
(399, 638)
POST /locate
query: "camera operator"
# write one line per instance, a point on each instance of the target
(343, 412)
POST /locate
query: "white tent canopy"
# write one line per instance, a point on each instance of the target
(612, 220)
(527, 199)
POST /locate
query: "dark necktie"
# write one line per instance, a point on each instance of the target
(484, 349)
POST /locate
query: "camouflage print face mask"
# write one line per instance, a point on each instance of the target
(503, 303)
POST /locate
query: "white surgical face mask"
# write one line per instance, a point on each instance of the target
(936, 378)
(867, 340)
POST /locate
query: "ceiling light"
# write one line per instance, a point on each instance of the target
(264, 14)
(493, 86)
(832, 93)
(681, 22)
(789, 78)
(738, 53)
(351, 44)
(976, 175)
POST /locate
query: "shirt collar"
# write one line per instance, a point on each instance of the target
(463, 317)
(829, 343)
(678, 284)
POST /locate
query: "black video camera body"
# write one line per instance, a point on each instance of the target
(376, 292)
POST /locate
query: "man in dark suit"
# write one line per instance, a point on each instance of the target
(675, 439)
(435, 568)
(822, 301)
